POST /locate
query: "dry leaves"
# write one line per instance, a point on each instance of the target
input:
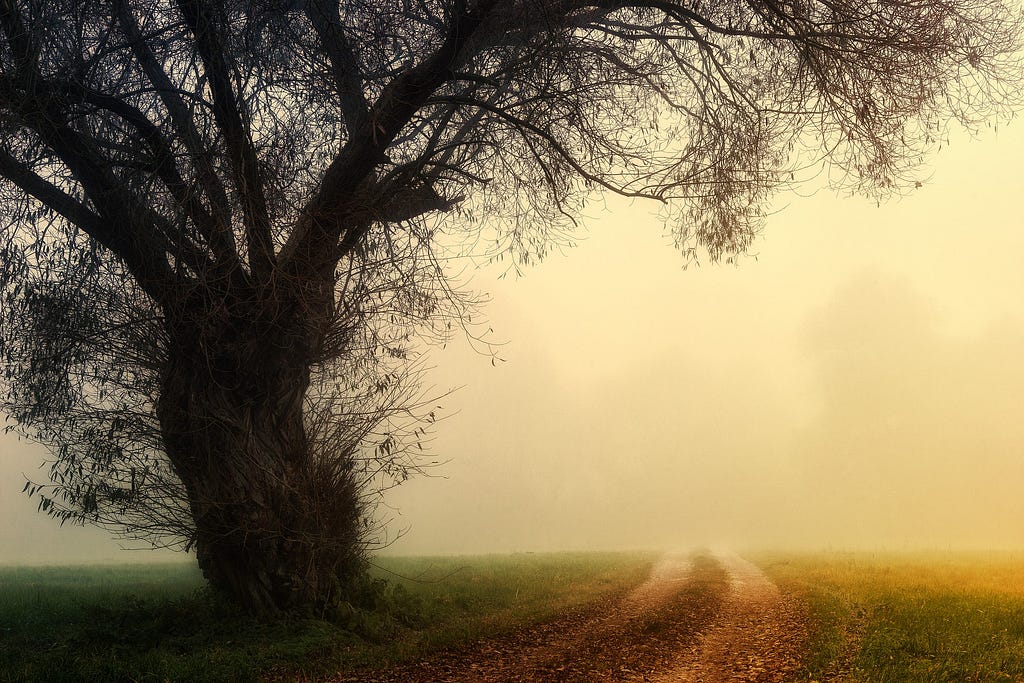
(703, 621)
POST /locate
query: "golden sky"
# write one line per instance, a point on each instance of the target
(860, 383)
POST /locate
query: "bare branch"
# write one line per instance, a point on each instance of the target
(323, 15)
(184, 125)
(312, 244)
(232, 118)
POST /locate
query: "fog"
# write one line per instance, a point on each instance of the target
(858, 382)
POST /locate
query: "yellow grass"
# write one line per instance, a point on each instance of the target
(911, 617)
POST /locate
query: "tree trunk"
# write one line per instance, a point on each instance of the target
(274, 529)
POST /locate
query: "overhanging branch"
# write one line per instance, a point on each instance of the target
(154, 275)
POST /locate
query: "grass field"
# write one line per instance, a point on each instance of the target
(875, 618)
(156, 623)
(909, 618)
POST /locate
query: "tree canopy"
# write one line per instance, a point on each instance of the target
(226, 222)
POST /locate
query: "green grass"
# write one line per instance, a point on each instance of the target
(459, 599)
(157, 623)
(918, 618)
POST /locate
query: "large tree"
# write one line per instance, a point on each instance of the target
(225, 221)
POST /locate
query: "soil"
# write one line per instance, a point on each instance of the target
(759, 635)
(691, 621)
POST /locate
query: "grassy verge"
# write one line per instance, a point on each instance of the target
(918, 618)
(156, 623)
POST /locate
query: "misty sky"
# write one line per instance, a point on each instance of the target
(860, 383)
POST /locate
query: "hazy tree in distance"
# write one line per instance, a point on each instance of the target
(225, 221)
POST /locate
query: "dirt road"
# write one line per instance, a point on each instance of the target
(757, 635)
(706, 621)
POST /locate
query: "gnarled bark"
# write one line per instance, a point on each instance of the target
(272, 529)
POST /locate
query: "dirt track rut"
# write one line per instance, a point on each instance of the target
(691, 621)
(758, 634)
